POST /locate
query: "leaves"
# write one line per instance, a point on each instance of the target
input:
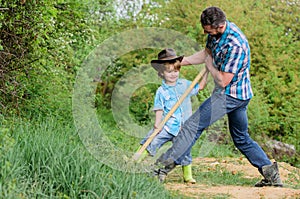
(43, 43)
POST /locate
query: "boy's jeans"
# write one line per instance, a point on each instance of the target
(160, 139)
(213, 109)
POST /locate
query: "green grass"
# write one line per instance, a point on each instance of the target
(222, 177)
(214, 177)
(46, 159)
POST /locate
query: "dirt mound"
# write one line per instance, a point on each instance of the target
(289, 175)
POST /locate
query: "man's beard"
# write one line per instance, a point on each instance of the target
(217, 36)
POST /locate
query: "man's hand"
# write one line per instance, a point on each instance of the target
(220, 77)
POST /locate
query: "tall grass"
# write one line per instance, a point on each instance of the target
(45, 159)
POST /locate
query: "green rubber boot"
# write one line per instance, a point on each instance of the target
(144, 154)
(187, 174)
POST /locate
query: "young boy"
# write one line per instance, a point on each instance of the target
(168, 67)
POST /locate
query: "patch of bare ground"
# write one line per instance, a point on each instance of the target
(289, 175)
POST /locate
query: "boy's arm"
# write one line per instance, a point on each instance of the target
(158, 118)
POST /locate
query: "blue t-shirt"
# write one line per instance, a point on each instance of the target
(231, 53)
(167, 96)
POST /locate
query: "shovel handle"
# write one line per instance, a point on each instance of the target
(162, 123)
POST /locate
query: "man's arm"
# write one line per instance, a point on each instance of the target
(203, 81)
(197, 58)
(221, 78)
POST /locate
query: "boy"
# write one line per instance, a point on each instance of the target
(168, 67)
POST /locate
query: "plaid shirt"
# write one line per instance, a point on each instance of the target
(231, 53)
(167, 96)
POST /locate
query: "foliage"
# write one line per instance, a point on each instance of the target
(142, 104)
(272, 28)
(43, 44)
(39, 164)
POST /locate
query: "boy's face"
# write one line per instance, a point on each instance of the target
(171, 75)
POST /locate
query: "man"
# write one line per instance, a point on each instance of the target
(229, 67)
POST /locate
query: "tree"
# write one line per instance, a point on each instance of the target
(43, 44)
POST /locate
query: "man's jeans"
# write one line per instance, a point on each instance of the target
(160, 139)
(213, 109)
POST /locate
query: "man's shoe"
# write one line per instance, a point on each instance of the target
(271, 176)
(162, 173)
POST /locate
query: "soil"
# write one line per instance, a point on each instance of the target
(289, 175)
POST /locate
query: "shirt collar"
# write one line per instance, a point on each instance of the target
(166, 86)
(226, 32)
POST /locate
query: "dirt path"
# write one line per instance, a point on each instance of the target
(289, 175)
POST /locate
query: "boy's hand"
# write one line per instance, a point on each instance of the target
(156, 128)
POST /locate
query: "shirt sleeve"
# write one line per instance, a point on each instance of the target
(158, 101)
(233, 60)
(195, 90)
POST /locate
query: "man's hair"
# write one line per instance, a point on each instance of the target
(167, 66)
(213, 16)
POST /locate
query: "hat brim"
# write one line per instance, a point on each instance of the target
(156, 64)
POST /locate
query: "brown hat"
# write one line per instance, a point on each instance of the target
(166, 55)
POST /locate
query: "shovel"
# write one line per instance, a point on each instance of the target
(137, 155)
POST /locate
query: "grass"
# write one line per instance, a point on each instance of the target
(214, 176)
(47, 160)
(222, 177)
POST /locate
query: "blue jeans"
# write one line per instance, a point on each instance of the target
(160, 139)
(211, 110)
